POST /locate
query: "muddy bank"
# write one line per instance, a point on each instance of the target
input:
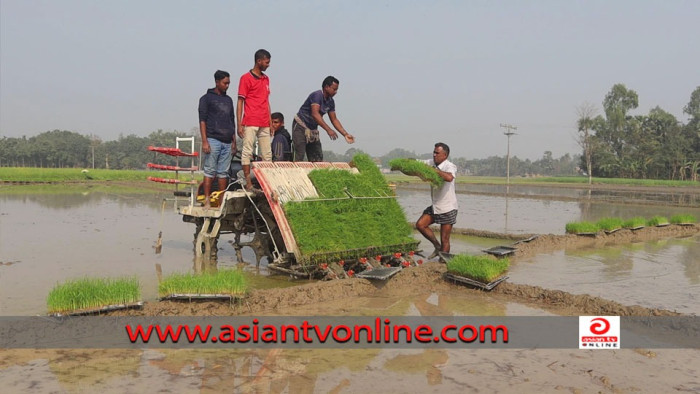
(322, 297)
(335, 297)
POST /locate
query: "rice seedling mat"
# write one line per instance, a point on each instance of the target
(92, 311)
(379, 273)
(636, 228)
(587, 234)
(475, 283)
(612, 231)
(662, 224)
(500, 251)
(686, 224)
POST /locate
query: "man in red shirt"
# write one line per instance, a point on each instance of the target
(253, 112)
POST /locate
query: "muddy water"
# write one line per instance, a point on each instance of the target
(660, 274)
(523, 215)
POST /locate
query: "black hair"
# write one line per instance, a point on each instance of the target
(329, 80)
(262, 54)
(219, 75)
(444, 147)
(278, 116)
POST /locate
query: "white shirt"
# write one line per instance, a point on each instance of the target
(444, 197)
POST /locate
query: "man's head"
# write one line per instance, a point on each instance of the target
(330, 86)
(277, 121)
(440, 153)
(262, 59)
(223, 80)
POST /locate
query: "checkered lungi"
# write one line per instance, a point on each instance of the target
(442, 218)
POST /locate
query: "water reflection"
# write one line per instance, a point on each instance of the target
(659, 274)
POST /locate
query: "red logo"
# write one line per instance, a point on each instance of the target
(600, 327)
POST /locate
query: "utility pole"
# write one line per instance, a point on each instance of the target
(508, 132)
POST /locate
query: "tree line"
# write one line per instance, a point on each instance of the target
(655, 146)
(67, 149)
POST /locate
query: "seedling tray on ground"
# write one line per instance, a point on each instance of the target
(379, 273)
(686, 224)
(473, 282)
(500, 251)
(662, 224)
(587, 234)
(612, 231)
(188, 296)
(636, 228)
(93, 311)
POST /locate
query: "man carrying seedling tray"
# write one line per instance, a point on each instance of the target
(444, 208)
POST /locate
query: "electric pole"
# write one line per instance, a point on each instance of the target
(508, 132)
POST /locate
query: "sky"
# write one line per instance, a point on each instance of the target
(412, 73)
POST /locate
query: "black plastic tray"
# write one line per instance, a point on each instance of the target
(379, 273)
(500, 251)
(199, 297)
(475, 283)
(587, 234)
(526, 240)
(93, 311)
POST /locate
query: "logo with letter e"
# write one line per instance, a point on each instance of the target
(599, 332)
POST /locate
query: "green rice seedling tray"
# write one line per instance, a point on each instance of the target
(94, 311)
(663, 224)
(475, 283)
(612, 231)
(587, 234)
(636, 228)
(500, 251)
(686, 224)
(379, 273)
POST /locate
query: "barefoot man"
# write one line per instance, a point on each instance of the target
(444, 208)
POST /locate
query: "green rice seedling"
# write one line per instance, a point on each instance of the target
(634, 222)
(610, 224)
(92, 293)
(228, 282)
(482, 268)
(581, 227)
(683, 219)
(417, 168)
(657, 221)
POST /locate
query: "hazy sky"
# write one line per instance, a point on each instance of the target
(411, 72)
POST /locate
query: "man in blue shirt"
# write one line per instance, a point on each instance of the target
(217, 128)
(305, 134)
(282, 141)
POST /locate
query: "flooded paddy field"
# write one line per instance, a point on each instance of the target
(48, 238)
(536, 214)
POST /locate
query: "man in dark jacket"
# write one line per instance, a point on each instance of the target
(282, 142)
(217, 127)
